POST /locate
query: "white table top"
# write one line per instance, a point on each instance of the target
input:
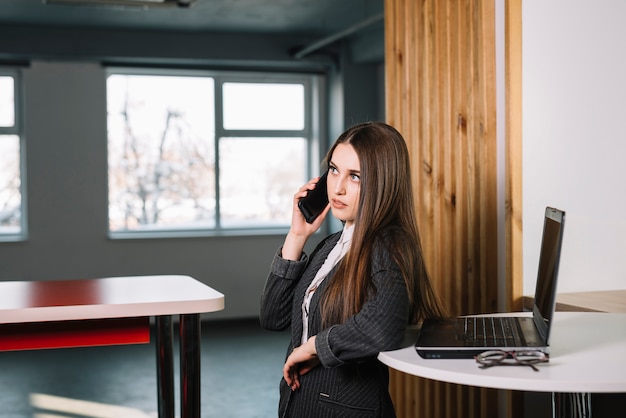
(588, 354)
(113, 297)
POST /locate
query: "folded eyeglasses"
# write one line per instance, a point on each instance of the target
(511, 358)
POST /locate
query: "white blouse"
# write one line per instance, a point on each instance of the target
(336, 254)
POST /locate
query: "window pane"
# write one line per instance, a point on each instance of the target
(10, 194)
(7, 101)
(161, 152)
(258, 178)
(257, 106)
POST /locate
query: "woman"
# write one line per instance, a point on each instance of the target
(359, 289)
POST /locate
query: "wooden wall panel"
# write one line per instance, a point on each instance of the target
(440, 94)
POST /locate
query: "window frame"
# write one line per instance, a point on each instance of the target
(314, 92)
(17, 130)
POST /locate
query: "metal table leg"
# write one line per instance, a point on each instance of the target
(190, 365)
(165, 366)
(571, 405)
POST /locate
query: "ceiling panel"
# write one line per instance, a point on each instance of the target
(314, 17)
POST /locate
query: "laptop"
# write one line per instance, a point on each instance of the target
(468, 336)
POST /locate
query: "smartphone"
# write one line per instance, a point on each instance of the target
(315, 201)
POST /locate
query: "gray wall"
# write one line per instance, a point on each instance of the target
(574, 140)
(66, 160)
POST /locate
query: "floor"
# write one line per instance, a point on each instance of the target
(241, 367)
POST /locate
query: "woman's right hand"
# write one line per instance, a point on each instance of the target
(301, 230)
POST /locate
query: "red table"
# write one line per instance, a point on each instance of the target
(115, 310)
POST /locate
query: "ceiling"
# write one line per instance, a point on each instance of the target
(320, 18)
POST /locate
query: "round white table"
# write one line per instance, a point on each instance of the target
(587, 355)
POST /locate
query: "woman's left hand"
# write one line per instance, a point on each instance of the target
(301, 360)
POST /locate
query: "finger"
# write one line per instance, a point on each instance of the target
(303, 191)
(312, 184)
(296, 382)
(293, 381)
(290, 373)
(287, 375)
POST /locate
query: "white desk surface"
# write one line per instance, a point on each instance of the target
(113, 297)
(588, 354)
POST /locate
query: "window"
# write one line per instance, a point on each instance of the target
(11, 201)
(207, 152)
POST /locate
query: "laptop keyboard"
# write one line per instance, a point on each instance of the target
(488, 331)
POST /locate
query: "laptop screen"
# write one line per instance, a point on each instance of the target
(545, 292)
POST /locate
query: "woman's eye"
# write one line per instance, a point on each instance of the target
(355, 177)
(333, 169)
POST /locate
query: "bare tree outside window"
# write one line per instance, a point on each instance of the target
(10, 193)
(10, 169)
(161, 152)
(169, 172)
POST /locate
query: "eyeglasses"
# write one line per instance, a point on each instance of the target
(511, 358)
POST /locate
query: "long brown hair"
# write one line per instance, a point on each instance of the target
(385, 206)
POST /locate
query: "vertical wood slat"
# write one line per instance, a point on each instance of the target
(440, 94)
(513, 178)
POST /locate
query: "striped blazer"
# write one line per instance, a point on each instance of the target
(350, 382)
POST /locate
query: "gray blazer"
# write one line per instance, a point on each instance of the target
(350, 382)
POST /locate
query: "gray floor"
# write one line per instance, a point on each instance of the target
(241, 368)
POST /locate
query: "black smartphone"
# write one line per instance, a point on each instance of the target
(315, 201)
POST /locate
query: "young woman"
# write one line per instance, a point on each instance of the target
(354, 296)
